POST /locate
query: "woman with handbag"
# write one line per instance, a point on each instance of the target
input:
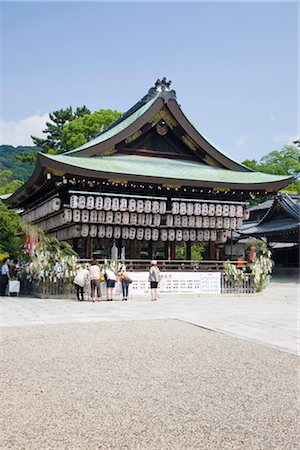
(95, 272)
(125, 281)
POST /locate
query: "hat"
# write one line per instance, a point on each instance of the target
(153, 262)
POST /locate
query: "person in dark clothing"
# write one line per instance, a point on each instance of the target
(5, 277)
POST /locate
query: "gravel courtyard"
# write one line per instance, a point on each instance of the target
(147, 384)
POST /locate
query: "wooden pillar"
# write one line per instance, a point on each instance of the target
(89, 247)
(132, 248)
(173, 250)
(188, 250)
(212, 253)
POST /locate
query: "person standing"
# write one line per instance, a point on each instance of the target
(125, 281)
(110, 283)
(5, 277)
(94, 272)
(154, 278)
(80, 281)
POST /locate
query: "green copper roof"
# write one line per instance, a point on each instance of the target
(116, 129)
(164, 168)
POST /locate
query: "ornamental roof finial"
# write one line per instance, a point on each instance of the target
(162, 86)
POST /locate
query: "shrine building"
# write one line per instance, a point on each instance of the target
(148, 182)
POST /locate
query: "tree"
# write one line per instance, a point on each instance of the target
(81, 130)
(284, 162)
(9, 231)
(7, 183)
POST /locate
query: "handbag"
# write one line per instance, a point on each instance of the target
(101, 277)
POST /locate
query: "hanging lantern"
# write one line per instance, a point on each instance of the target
(204, 209)
(182, 208)
(175, 208)
(109, 217)
(85, 216)
(94, 216)
(226, 222)
(99, 203)
(81, 202)
(84, 230)
(115, 204)
(147, 234)
(233, 223)
(190, 209)
(239, 223)
(219, 222)
(239, 211)
(155, 234)
(225, 211)
(212, 222)
(219, 210)
(74, 201)
(118, 217)
(213, 235)
(148, 219)
(123, 204)
(101, 217)
(162, 207)
(132, 233)
(186, 235)
(68, 215)
(184, 221)
(109, 232)
(169, 220)
(117, 232)
(156, 220)
(197, 209)
(155, 207)
(147, 206)
(198, 223)
(192, 221)
(55, 204)
(178, 235)
(141, 219)
(171, 235)
(177, 221)
(101, 231)
(132, 205)
(133, 218)
(206, 235)
(93, 230)
(125, 233)
(193, 235)
(140, 206)
(246, 214)
(125, 218)
(200, 235)
(232, 211)
(76, 215)
(164, 235)
(107, 204)
(90, 202)
(222, 237)
(211, 209)
(140, 234)
(205, 222)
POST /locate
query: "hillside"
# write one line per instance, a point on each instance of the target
(21, 170)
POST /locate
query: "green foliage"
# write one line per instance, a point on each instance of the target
(7, 183)
(27, 157)
(81, 130)
(9, 159)
(284, 162)
(9, 231)
(197, 251)
(234, 275)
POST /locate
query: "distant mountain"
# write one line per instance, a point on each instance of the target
(21, 170)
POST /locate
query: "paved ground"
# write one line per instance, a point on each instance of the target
(270, 317)
(144, 385)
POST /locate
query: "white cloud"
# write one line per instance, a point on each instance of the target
(241, 140)
(285, 138)
(18, 133)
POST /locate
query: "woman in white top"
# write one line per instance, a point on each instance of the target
(95, 280)
(110, 283)
(154, 278)
(80, 281)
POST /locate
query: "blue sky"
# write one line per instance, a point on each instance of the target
(233, 65)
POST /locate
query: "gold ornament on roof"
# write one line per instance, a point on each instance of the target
(165, 115)
(189, 142)
(133, 137)
(107, 152)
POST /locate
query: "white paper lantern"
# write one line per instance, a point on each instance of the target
(68, 215)
(192, 221)
(101, 217)
(186, 235)
(101, 231)
(175, 208)
(74, 201)
(147, 206)
(193, 235)
(225, 211)
(206, 235)
(177, 221)
(115, 204)
(90, 202)
(140, 206)
(94, 216)
(184, 221)
(85, 216)
(190, 209)
(182, 209)
(212, 222)
(239, 223)
(56, 202)
(84, 230)
(125, 233)
(117, 232)
(162, 207)
(107, 203)
(233, 223)
(155, 207)
(147, 234)
(132, 205)
(156, 220)
(140, 234)
(76, 215)
(211, 209)
(148, 219)
(198, 223)
(132, 233)
(93, 230)
(232, 211)
(219, 222)
(109, 217)
(204, 209)
(222, 237)
(123, 204)
(178, 235)
(200, 235)
(133, 218)
(109, 232)
(226, 222)
(205, 222)
(81, 202)
(171, 235)
(197, 209)
(118, 217)
(213, 235)
(246, 214)
(219, 210)
(164, 235)
(239, 211)
(141, 219)
(169, 220)
(99, 203)
(125, 218)
(155, 234)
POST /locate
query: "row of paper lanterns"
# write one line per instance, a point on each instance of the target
(47, 208)
(152, 234)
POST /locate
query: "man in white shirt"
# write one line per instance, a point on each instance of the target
(80, 281)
